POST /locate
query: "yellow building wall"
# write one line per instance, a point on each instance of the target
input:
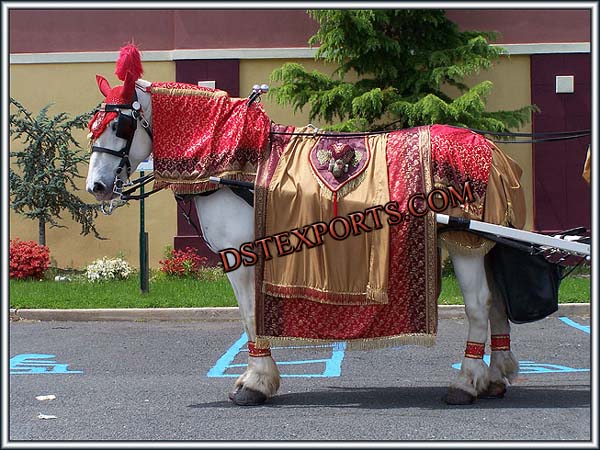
(72, 88)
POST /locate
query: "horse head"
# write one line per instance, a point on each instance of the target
(118, 144)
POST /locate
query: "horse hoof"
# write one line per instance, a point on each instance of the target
(458, 397)
(494, 390)
(233, 393)
(247, 397)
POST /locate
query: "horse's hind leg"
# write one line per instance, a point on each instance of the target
(261, 379)
(473, 376)
(504, 367)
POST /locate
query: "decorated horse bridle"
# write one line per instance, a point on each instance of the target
(125, 129)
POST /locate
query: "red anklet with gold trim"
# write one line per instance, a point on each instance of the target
(500, 342)
(257, 352)
(474, 350)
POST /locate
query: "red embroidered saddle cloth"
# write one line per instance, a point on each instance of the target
(414, 160)
(201, 132)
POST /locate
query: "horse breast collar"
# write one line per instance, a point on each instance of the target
(339, 164)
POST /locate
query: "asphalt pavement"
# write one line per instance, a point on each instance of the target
(156, 381)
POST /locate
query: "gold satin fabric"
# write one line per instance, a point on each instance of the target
(352, 271)
(587, 167)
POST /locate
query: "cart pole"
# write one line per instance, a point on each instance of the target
(144, 275)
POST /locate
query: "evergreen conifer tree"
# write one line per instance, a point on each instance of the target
(44, 186)
(403, 59)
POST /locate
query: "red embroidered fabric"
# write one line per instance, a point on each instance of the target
(459, 155)
(201, 132)
(101, 119)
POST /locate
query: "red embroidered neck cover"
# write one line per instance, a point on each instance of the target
(201, 132)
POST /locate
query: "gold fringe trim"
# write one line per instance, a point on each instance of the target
(344, 190)
(193, 92)
(236, 174)
(453, 246)
(199, 185)
(375, 295)
(363, 298)
(426, 340)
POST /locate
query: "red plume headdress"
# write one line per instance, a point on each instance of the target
(129, 63)
(128, 69)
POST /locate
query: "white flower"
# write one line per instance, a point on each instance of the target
(107, 269)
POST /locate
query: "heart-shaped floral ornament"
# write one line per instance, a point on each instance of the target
(339, 165)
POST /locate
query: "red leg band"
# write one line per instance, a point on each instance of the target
(257, 352)
(500, 342)
(474, 350)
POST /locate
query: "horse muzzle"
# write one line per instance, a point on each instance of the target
(101, 191)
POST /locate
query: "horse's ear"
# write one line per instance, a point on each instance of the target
(128, 86)
(103, 85)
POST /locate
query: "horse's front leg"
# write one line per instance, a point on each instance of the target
(261, 379)
(473, 377)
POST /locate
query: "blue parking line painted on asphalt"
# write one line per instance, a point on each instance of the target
(531, 367)
(333, 365)
(218, 370)
(584, 328)
(36, 363)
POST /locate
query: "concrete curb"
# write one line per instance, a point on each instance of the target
(211, 314)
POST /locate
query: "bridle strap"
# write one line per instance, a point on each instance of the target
(116, 107)
(119, 153)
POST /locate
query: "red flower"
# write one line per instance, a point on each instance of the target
(183, 263)
(27, 259)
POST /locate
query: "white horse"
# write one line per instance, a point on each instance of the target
(261, 379)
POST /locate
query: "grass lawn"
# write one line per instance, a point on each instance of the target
(575, 289)
(179, 293)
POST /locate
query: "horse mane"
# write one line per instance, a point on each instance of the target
(129, 61)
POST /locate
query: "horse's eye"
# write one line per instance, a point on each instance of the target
(114, 126)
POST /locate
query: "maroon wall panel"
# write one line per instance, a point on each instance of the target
(527, 25)
(39, 31)
(561, 196)
(242, 28)
(226, 74)
(80, 30)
